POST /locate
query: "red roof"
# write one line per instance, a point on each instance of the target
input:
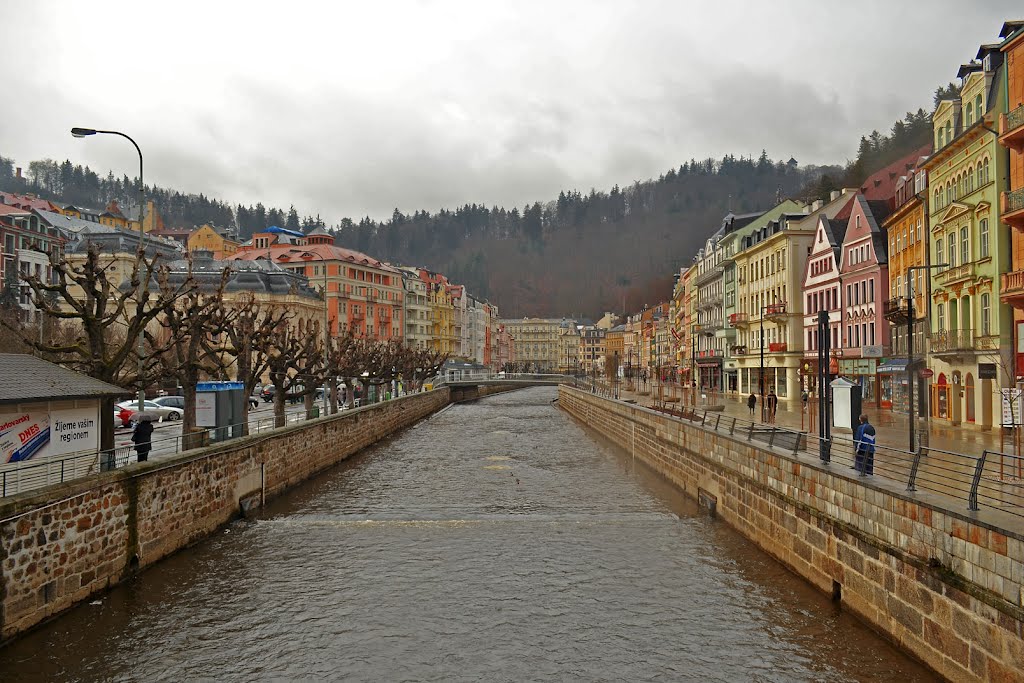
(6, 210)
(328, 252)
(881, 185)
(26, 202)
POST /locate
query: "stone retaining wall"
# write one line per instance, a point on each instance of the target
(944, 584)
(61, 544)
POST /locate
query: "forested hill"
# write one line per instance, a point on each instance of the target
(579, 254)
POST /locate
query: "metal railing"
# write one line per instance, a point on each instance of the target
(948, 341)
(1014, 120)
(27, 475)
(992, 480)
(1013, 200)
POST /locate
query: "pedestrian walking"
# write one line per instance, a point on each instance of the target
(864, 443)
(142, 437)
(751, 402)
(773, 404)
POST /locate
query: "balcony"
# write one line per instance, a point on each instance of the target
(955, 274)
(739, 319)
(709, 301)
(1011, 129)
(777, 347)
(1011, 205)
(952, 343)
(709, 275)
(895, 311)
(709, 354)
(708, 329)
(1011, 288)
(775, 312)
(738, 350)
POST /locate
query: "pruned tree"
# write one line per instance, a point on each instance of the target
(248, 340)
(296, 364)
(195, 322)
(344, 361)
(108, 312)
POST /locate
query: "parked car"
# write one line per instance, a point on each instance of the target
(123, 416)
(171, 401)
(155, 409)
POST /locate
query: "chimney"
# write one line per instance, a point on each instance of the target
(835, 195)
(818, 203)
(17, 173)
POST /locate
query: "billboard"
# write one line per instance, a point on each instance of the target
(40, 433)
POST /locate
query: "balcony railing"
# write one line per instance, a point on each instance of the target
(1012, 206)
(709, 275)
(739, 319)
(709, 353)
(895, 310)
(1011, 287)
(777, 347)
(955, 274)
(951, 342)
(1011, 128)
(709, 301)
(738, 350)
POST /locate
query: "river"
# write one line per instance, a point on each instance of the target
(495, 541)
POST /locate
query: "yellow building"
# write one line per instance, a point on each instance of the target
(214, 240)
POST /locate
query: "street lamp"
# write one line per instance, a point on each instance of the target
(760, 377)
(85, 132)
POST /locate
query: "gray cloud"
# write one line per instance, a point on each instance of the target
(359, 109)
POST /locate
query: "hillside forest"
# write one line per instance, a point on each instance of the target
(578, 254)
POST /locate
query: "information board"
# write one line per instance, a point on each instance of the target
(1012, 404)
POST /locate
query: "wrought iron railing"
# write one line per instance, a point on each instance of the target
(1014, 119)
(1013, 201)
(949, 341)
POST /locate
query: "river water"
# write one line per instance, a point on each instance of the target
(495, 541)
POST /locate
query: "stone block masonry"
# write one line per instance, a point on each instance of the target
(943, 583)
(62, 544)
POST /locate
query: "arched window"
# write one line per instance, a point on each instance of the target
(987, 178)
(949, 131)
(970, 113)
(942, 139)
(981, 175)
(970, 180)
(978, 111)
(986, 314)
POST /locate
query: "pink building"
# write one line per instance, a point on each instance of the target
(864, 280)
(821, 288)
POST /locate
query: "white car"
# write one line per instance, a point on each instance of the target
(154, 409)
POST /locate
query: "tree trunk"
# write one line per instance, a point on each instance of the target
(279, 403)
(242, 375)
(307, 403)
(188, 420)
(334, 398)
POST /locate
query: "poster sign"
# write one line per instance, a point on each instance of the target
(206, 409)
(1012, 403)
(38, 433)
(987, 371)
(871, 351)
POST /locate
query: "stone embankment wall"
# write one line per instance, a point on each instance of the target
(62, 544)
(944, 584)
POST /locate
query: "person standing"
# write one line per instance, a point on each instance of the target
(142, 437)
(751, 402)
(864, 443)
(773, 404)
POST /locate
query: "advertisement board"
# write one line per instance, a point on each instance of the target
(206, 409)
(1012, 404)
(38, 433)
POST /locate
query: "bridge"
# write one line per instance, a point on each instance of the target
(467, 388)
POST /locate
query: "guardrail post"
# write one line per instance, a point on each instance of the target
(911, 483)
(703, 418)
(825, 450)
(972, 499)
(718, 419)
(771, 439)
(796, 442)
(732, 429)
(750, 435)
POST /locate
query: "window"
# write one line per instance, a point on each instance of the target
(938, 251)
(949, 131)
(942, 139)
(964, 246)
(863, 291)
(871, 290)
(970, 113)
(951, 248)
(849, 296)
(986, 314)
(940, 317)
(970, 180)
(978, 110)
(872, 334)
(986, 170)
(983, 238)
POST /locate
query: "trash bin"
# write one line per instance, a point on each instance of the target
(314, 413)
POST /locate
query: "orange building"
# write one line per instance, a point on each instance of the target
(364, 295)
(1011, 136)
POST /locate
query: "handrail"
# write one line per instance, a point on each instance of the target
(993, 479)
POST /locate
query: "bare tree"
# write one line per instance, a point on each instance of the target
(195, 320)
(296, 364)
(108, 314)
(249, 340)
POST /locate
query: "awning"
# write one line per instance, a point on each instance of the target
(893, 366)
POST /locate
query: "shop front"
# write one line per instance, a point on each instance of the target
(864, 373)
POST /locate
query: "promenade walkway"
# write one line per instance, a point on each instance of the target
(948, 466)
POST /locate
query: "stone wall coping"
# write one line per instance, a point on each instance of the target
(988, 518)
(54, 494)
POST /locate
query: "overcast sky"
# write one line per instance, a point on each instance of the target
(354, 108)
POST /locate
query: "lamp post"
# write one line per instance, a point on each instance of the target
(760, 377)
(85, 132)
